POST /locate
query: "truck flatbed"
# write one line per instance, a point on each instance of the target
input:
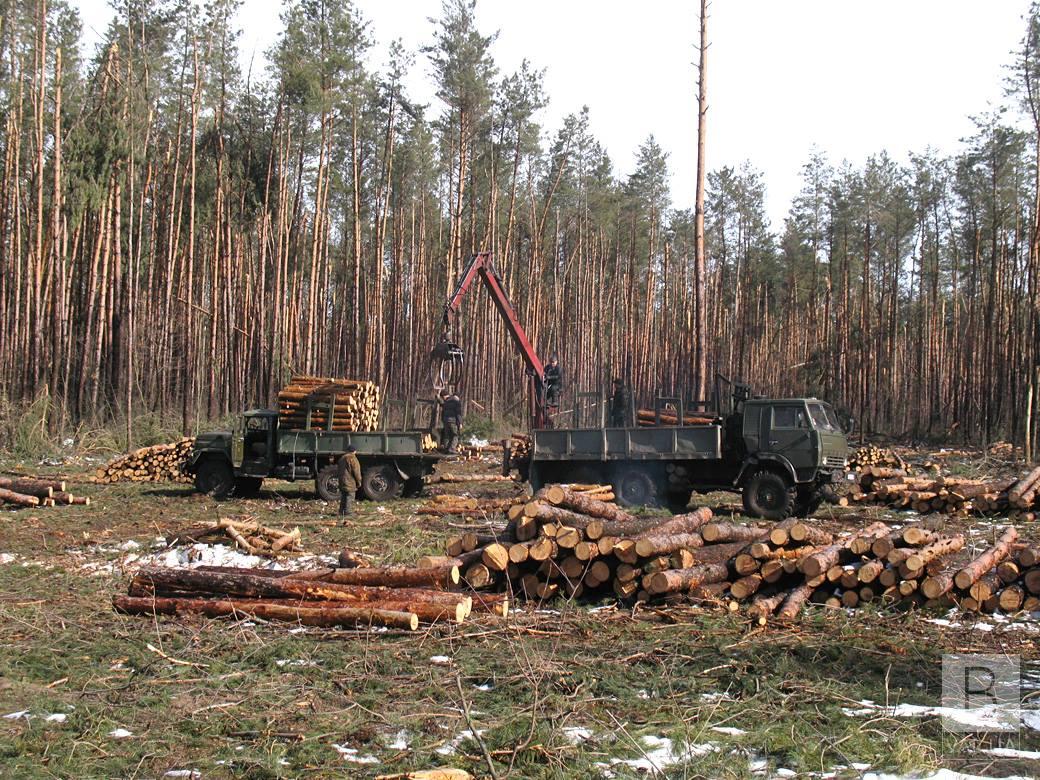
(697, 442)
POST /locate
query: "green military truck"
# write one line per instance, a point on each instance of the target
(782, 455)
(393, 463)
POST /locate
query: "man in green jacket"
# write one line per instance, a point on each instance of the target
(349, 472)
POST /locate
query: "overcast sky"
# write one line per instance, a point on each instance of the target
(852, 77)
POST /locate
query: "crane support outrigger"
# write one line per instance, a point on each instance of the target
(451, 356)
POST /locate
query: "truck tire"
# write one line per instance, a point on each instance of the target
(381, 483)
(248, 487)
(767, 495)
(326, 484)
(633, 486)
(215, 478)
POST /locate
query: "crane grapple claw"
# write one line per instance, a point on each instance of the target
(447, 358)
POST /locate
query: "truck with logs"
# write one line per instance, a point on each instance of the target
(393, 463)
(782, 455)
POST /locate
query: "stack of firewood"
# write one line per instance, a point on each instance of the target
(246, 534)
(397, 597)
(159, 463)
(896, 488)
(872, 455)
(353, 404)
(564, 542)
(36, 491)
(648, 417)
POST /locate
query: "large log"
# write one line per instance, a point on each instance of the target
(18, 498)
(818, 562)
(444, 577)
(730, 532)
(1026, 485)
(687, 523)
(796, 600)
(937, 549)
(648, 546)
(586, 505)
(987, 560)
(256, 587)
(31, 487)
(681, 580)
(268, 610)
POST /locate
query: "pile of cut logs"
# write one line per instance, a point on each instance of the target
(247, 534)
(159, 463)
(872, 455)
(397, 597)
(35, 491)
(354, 404)
(648, 417)
(895, 488)
(572, 543)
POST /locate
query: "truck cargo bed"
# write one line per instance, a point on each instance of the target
(695, 442)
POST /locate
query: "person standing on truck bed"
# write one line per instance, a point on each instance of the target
(349, 480)
(553, 382)
(451, 421)
(619, 403)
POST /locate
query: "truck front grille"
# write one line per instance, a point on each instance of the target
(834, 463)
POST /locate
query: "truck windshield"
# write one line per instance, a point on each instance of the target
(824, 417)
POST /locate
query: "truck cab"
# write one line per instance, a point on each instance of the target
(797, 441)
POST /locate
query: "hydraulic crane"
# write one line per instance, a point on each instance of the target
(448, 356)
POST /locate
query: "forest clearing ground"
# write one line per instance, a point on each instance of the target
(557, 693)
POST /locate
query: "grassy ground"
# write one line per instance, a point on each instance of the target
(563, 693)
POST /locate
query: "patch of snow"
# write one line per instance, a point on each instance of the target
(757, 764)
(991, 717)
(193, 774)
(785, 773)
(577, 734)
(475, 442)
(484, 687)
(462, 736)
(943, 622)
(440, 660)
(298, 630)
(120, 733)
(351, 754)
(17, 715)
(1032, 755)
(298, 662)
(715, 696)
(942, 774)
(642, 694)
(400, 741)
(57, 717)
(728, 730)
(128, 545)
(7, 558)
(659, 753)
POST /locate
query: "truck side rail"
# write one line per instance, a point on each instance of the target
(700, 442)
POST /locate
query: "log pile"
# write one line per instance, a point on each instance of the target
(395, 597)
(37, 491)
(646, 418)
(353, 404)
(895, 488)
(872, 455)
(246, 534)
(570, 544)
(158, 463)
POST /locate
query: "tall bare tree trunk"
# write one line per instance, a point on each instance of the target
(700, 337)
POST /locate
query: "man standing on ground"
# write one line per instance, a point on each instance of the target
(349, 473)
(619, 403)
(451, 421)
(553, 382)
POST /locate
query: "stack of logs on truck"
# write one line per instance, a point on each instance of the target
(569, 543)
(896, 488)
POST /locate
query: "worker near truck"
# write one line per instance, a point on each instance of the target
(451, 421)
(619, 403)
(553, 382)
(349, 479)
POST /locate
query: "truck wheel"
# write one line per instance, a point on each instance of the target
(247, 487)
(767, 495)
(381, 483)
(326, 484)
(214, 478)
(634, 487)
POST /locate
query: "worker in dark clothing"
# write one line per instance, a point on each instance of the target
(451, 421)
(553, 382)
(619, 403)
(349, 473)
